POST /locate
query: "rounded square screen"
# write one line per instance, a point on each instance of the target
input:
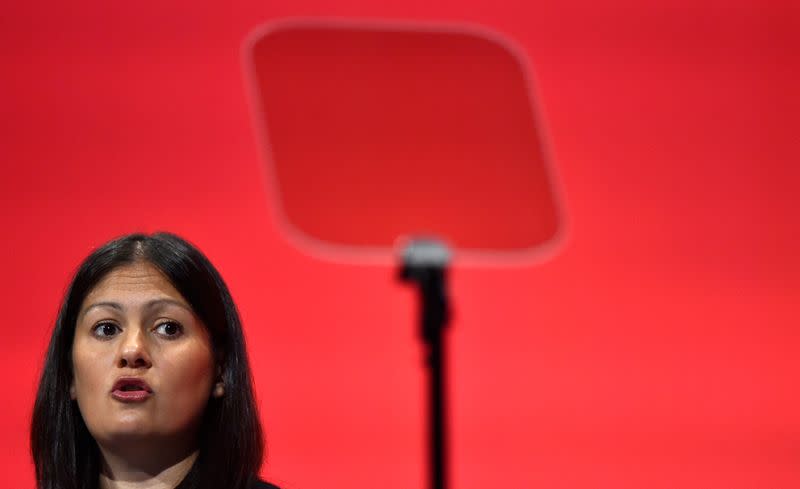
(374, 132)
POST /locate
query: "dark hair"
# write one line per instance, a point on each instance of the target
(231, 444)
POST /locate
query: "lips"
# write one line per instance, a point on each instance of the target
(131, 389)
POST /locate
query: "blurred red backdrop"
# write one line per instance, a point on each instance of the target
(657, 349)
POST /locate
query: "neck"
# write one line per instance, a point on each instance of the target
(144, 469)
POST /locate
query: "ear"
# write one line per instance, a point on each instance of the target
(219, 386)
(72, 390)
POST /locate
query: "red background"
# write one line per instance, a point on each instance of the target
(658, 348)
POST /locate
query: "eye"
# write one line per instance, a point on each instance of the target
(105, 330)
(170, 329)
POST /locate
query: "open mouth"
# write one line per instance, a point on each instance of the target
(131, 389)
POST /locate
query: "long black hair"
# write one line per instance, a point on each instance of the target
(231, 443)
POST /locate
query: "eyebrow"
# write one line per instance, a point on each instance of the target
(151, 304)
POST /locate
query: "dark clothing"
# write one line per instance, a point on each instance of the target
(259, 484)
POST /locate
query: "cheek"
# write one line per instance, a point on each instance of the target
(187, 375)
(90, 366)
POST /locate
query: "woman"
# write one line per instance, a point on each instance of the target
(146, 381)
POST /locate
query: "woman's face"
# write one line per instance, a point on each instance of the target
(142, 360)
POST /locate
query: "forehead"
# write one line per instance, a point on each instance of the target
(139, 279)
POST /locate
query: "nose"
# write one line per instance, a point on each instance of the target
(133, 350)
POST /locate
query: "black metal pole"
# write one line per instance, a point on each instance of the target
(425, 263)
(438, 425)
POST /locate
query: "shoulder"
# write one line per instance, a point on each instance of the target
(259, 484)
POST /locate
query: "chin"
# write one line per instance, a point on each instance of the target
(126, 426)
(128, 432)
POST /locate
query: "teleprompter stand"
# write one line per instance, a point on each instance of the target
(424, 263)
